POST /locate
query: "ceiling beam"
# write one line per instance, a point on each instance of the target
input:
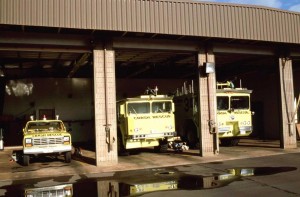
(243, 49)
(32, 48)
(151, 44)
(79, 63)
(45, 39)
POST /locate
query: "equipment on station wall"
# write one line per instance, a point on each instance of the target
(209, 67)
(1, 139)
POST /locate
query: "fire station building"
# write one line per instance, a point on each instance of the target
(83, 55)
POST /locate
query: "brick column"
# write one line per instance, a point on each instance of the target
(288, 129)
(209, 144)
(105, 107)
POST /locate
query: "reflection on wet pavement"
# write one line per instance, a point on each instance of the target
(135, 183)
(193, 182)
(57, 190)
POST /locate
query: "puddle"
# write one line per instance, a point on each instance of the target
(165, 173)
(57, 190)
(169, 180)
(216, 162)
(259, 171)
(125, 184)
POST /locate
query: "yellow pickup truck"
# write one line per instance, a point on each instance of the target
(44, 137)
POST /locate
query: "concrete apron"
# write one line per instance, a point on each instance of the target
(84, 164)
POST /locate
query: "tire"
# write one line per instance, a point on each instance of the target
(121, 149)
(225, 142)
(235, 142)
(120, 145)
(191, 134)
(229, 142)
(192, 139)
(163, 147)
(26, 160)
(68, 157)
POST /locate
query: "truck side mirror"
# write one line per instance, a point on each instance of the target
(122, 109)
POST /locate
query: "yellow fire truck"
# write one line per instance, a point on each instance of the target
(146, 121)
(44, 137)
(234, 116)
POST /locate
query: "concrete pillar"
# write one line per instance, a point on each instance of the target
(108, 188)
(105, 107)
(2, 90)
(288, 130)
(207, 107)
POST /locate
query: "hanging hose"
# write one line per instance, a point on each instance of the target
(107, 125)
(289, 119)
(296, 109)
(1, 139)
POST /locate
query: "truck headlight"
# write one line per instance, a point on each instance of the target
(66, 139)
(29, 195)
(169, 127)
(68, 191)
(28, 142)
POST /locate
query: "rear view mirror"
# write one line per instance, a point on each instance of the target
(122, 109)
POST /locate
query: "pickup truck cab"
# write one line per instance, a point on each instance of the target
(45, 137)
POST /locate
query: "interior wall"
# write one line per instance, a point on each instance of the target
(266, 99)
(63, 95)
(265, 103)
(70, 98)
(268, 90)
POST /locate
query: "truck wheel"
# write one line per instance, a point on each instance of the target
(229, 142)
(68, 157)
(235, 142)
(25, 160)
(162, 148)
(225, 142)
(121, 149)
(192, 139)
(120, 145)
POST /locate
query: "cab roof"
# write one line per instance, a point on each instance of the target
(148, 98)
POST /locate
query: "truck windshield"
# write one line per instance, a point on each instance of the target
(161, 107)
(138, 108)
(222, 102)
(44, 126)
(239, 102)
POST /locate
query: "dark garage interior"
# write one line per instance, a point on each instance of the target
(58, 64)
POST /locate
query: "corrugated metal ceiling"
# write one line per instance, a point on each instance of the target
(187, 18)
(160, 20)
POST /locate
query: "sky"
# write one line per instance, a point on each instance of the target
(291, 5)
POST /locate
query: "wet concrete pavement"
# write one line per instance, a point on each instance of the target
(85, 164)
(249, 154)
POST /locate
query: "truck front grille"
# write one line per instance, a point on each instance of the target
(59, 192)
(153, 135)
(47, 141)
